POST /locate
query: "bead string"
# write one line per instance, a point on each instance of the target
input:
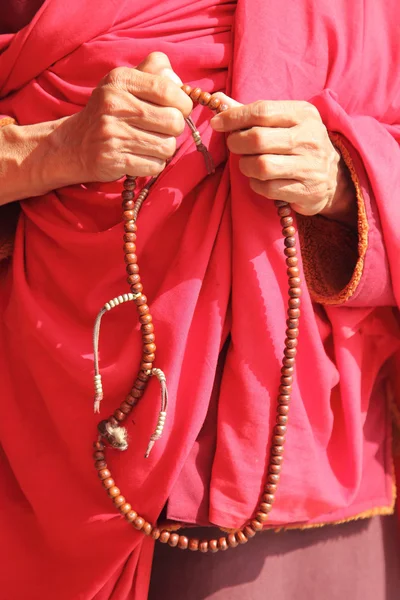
(108, 429)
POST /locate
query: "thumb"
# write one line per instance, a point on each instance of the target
(157, 63)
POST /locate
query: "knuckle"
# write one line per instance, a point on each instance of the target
(263, 166)
(258, 138)
(116, 76)
(155, 167)
(174, 120)
(310, 110)
(259, 109)
(106, 127)
(168, 147)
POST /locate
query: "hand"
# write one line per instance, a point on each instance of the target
(287, 155)
(130, 123)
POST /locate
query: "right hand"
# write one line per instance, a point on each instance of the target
(130, 124)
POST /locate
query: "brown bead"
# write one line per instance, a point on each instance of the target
(289, 362)
(164, 536)
(127, 195)
(280, 430)
(138, 523)
(146, 366)
(268, 498)
(241, 537)
(183, 542)
(294, 292)
(195, 94)
(249, 532)
(147, 328)
(280, 203)
(104, 474)
(137, 288)
(288, 231)
(143, 310)
(270, 488)
(187, 89)
(292, 261)
(262, 517)
(287, 371)
(271, 478)
(222, 544)
(203, 546)
(213, 545)
(149, 348)
(100, 464)
(256, 525)
(131, 258)
(281, 419)
(290, 252)
(286, 221)
(294, 282)
(205, 98)
(155, 534)
(290, 242)
(284, 399)
(98, 455)
(149, 357)
(128, 215)
(193, 544)
(140, 385)
(278, 440)
(130, 227)
(99, 446)
(265, 507)
(130, 183)
(146, 319)
(125, 408)
(291, 343)
(274, 469)
(276, 459)
(141, 300)
(131, 279)
(285, 390)
(232, 541)
(284, 212)
(292, 323)
(130, 400)
(131, 516)
(148, 338)
(129, 247)
(129, 237)
(136, 393)
(114, 491)
(134, 275)
(125, 508)
(119, 501)
(294, 302)
(283, 410)
(147, 528)
(108, 483)
(286, 380)
(290, 352)
(142, 376)
(214, 103)
(293, 272)
(128, 205)
(292, 333)
(119, 415)
(173, 539)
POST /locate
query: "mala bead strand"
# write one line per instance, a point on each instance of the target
(256, 524)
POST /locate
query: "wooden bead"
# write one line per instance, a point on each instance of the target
(173, 540)
(283, 410)
(100, 464)
(119, 415)
(129, 237)
(130, 400)
(249, 532)
(256, 525)
(270, 488)
(108, 483)
(132, 269)
(280, 430)
(164, 536)
(128, 215)
(276, 459)
(290, 252)
(130, 227)
(284, 212)
(129, 247)
(147, 528)
(268, 498)
(291, 343)
(271, 478)
(203, 546)
(114, 491)
(137, 288)
(148, 338)
(141, 300)
(130, 183)
(285, 390)
(195, 94)
(280, 203)
(284, 399)
(278, 440)
(294, 303)
(265, 507)
(290, 242)
(286, 371)
(147, 328)
(290, 352)
(146, 366)
(146, 319)
(104, 474)
(213, 545)
(193, 544)
(187, 89)
(274, 469)
(232, 541)
(139, 385)
(131, 258)
(294, 292)
(222, 544)
(119, 501)
(288, 362)
(131, 279)
(294, 282)
(288, 231)
(286, 380)
(241, 537)
(292, 333)
(204, 98)
(292, 261)
(149, 348)
(183, 542)
(214, 103)
(155, 534)
(128, 204)
(143, 310)
(131, 516)
(261, 517)
(142, 376)
(286, 221)
(292, 323)
(125, 408)
(127, 195)
(98, 455)
(125, 508)
(134, 277)
(138, 523)
(293, 272)
(149, 357)
(137, 393)
(281, 419)
(99, 446)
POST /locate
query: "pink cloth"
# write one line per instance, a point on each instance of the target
(212, 264)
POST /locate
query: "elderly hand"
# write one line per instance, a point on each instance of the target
(287, 155)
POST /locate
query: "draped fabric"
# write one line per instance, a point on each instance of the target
(211, 258)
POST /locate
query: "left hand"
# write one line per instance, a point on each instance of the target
(286, 153)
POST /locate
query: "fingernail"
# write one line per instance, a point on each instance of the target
(217, 123)
(171, 75)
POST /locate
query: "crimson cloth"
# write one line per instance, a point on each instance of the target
(211, 255)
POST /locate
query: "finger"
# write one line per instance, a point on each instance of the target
(272, 113)
(227, 100)
(288, 190)
(157, 63)
(157, 119)
(143, 166)
(155, 145)
(275, 166)
(261, 140)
